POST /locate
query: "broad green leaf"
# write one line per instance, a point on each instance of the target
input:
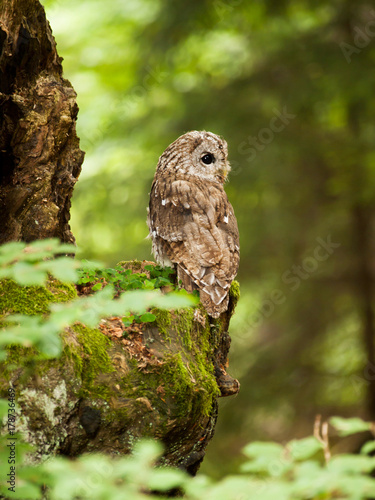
(62, 268)
(148, 317)
(147, 451)
(368, 447)
(128, 320)
(351, 464)
(10, 251)
(300, 449)
(28, 274)
(164, 479)
(263, 449)
(347, 426)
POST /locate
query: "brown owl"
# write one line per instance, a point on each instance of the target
(191, 222)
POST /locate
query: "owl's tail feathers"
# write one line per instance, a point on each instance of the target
(208, 302)
(214, 296)
(184, 280)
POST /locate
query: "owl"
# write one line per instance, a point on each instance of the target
(191, 222)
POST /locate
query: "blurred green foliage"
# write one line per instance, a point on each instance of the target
(289, 84)
(301, 469)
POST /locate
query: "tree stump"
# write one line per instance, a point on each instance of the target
(114, 385)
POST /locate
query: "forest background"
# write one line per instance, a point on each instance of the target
(290, 86)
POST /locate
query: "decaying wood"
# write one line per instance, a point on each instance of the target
(40, 159)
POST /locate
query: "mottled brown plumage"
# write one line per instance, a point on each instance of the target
(191, 222)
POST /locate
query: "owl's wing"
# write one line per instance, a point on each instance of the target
(196, 227)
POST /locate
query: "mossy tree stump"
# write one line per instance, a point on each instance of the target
(113, 386)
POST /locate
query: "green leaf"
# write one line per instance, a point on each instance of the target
(62, 268)
(351, 464)
(165, 479)
(83, 280)
(263, 449)
(128, 320)
(11, 251)
(139, 300)
(301, 449)
(368, 447)
(347, 426)
(146, 451)
(28, 274)
(96, 287)
(148, 285)
(148, 317)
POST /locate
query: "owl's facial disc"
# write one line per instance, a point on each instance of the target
(209, 160)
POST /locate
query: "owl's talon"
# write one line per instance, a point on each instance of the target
(228, 385)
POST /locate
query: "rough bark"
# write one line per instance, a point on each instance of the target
(40, 158)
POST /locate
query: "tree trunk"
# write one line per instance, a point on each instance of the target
(105, 391)
(40, 158)
(364, 286)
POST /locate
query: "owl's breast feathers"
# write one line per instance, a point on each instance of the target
(192, 224)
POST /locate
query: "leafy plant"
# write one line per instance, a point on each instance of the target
(296, 471)
(124, 280)
(30, 264)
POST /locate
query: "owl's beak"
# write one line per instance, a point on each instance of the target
(222, 173)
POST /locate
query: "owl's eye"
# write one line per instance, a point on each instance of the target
(208, 158)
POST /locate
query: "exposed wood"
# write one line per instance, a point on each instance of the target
(40, 157)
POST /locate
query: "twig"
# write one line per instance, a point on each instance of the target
(321, 434)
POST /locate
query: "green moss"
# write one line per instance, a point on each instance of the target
(62, 292)
(163, 322)
(31, 300)
(185, 325)
(28, 300)
(234, 292)
(192, 386)
(178, 382)
(190, 377)
(91, 360)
